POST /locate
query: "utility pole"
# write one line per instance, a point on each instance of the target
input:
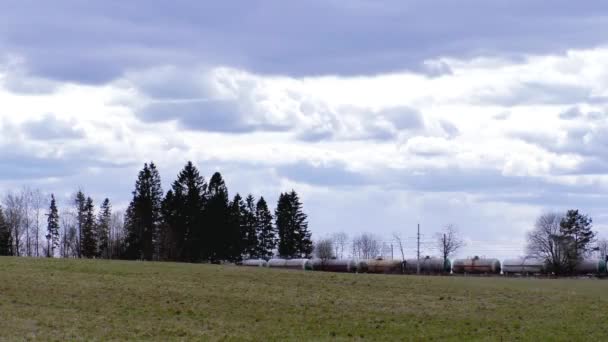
(391, 251)
(418, 251)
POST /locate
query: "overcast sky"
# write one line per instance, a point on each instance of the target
(380, 114)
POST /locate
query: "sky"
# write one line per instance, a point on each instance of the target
(381, 114)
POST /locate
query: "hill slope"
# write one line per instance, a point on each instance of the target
(86, 299)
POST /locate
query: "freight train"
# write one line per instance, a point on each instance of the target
(431, 266)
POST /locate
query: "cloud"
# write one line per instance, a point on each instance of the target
(572, 113)
(275, 37)
(532, 92)
(49, 127)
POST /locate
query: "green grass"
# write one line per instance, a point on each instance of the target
(119, 300)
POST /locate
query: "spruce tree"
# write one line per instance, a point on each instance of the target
(182, 212)
(236, 245)
(249, 228)
(265, 231)
(576, 237)
(292, 225)
(217, 244)
(89, 238)
(6, 238)
(80, 203)
(103, 228)
(143, 216)
(52, 228)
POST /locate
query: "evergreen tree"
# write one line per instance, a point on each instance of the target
(217, 244)
(576, 237)
(80, 203)
(249, 228)
(89, 238)
(143, 216)
(266, 235)
(292, 226)
(6, 236)
(52, 228)
(236, 245)
(182, 211)
(103, 228)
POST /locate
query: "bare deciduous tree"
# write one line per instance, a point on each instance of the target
(448, 241)
(117, 235)
(339, 241)
(324, 250)
(544, 241)
(366, 246)
(69, 234)
(13, 210)
(37, 200)
(399, 241)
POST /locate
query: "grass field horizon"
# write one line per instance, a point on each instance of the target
(58, 299)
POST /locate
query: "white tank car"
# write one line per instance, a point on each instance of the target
(524, 266)
(254, 263)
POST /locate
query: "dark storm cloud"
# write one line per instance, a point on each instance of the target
(96, 41)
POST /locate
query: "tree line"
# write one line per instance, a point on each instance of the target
(195, 221)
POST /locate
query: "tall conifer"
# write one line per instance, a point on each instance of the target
(292, 225)
(52, 235)
(103, 228)
(143, 216)
(182, 211)
(265, 231)
(89, 236)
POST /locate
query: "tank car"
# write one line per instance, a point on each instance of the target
(294, 264)
(524, 266)
(428, 265)
(591, 266)
(254, 263)
(334, 265)
(381, 266)
(476, 265)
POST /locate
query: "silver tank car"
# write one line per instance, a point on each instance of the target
(294, 264)
(254, 263)
(476, 265)
(591, 266)
(334, 265)
(428, 265)
(524, 266)
(381, 266)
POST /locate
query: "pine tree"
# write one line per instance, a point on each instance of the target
(143, 216)
(79, 203)
(265, 232)
(576, 237)
(103, 228)
(89, 238)
(182, 211)
(6, 236)
(52, 228)
(217, 244)
(292, 226)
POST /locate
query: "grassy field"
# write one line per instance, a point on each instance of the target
(102, 300)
